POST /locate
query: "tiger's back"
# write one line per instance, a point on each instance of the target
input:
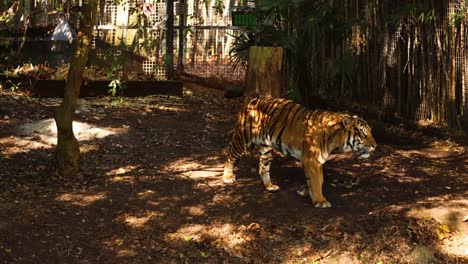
(267, 121)
(280, 123)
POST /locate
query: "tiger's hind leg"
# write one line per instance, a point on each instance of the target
(228, 175)
(236, 149)
(266, 155)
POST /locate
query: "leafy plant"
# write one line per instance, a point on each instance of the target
(116, 86)
(13, 86)
(460, 15)
(260, 35)
(239, 53)
(117, 102)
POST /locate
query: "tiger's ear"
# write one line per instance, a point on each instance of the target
(346, 121)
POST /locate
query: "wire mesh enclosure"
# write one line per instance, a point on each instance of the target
(137, 30)
(132, 33)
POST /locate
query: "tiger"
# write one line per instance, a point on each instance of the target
(269, 124)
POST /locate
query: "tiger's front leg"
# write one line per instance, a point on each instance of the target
(314, 174)
(266, 155)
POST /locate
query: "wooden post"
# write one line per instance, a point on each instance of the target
(264, 72)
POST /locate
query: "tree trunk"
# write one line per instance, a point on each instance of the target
(264, 72)
(68, 152)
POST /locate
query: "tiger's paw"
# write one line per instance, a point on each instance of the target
(303, 191)
(272, 188)
(229, 180)
(228, 177)
(324, 204)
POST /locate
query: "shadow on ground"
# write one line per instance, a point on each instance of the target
(152, 194)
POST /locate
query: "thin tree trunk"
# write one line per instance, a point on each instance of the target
(464, 75)
(170, 40)
(182, 19)
(68, 152)
(452, 113)
(196, 32)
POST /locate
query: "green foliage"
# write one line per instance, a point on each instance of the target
(294, 94)
(117, 102)
(323, 40)
(297, 26)
(413, 13)
(428, 17)
(116, 59)
(261, 35)
(269, 31)
(239, 52)
(12, 86)
(346, 64)
(116, 86)
(219, 6)
(460, 15)
(7, 55)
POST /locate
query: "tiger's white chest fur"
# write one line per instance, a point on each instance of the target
(288, 151)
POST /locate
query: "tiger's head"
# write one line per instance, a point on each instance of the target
(357, 137)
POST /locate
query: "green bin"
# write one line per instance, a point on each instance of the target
(243, 18)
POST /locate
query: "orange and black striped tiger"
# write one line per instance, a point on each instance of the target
(307, 135)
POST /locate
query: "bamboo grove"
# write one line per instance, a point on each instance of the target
(404, 59)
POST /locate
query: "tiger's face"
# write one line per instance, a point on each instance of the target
(358, 137)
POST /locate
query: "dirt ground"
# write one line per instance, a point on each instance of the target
(151, 191)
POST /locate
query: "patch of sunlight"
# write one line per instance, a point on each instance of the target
(195, 169)
(123, 179)
(13, 145)
(169, 108)
(150, 103)
(444, 210)
(450, 212)
(138, 221)
(127, 253)
(193, 210)
(146, 194)
(456, 245)
(81, 199)
(222, 236)
(404, 178)
(401, 175)
(304, 253)
(45, 131)
(87, 148)
(187, 91)
(120, 245)
(121, 170)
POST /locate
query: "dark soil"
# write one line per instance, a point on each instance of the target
(152, 192)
